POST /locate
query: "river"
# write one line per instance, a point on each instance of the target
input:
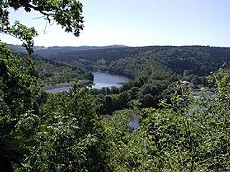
(101, 79)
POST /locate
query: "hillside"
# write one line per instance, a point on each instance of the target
(59, 51)
(200, 60)
(184, 60)
(153, 69)
(73, 125)
(58, 74)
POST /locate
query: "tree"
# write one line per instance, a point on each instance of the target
(185, 134)
(20, 99)
(189, 134)
(20, 95)
(67, 13)
(69, 136)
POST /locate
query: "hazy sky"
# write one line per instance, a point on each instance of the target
(140, 23)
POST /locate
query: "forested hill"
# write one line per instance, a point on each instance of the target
(173, 115)
(198, 60)
(58, 51)
(184, 60)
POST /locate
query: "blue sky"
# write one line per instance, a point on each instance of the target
(140, 23)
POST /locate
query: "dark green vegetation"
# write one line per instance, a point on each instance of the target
(66, 131)
(88, 130)
(153, 69)
(67, 14)
(57, 74)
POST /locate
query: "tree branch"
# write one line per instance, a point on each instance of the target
(36, 8)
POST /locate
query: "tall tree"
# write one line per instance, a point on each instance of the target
(19, 96)
(19, 92)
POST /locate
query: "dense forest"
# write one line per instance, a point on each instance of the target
(153, 69)
(88, 129)
(71, 132)
(153, 96)
(199, 60)
(54, 73)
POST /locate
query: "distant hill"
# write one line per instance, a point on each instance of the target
(199, 60)
(183, 60)
(153, 69)
(17, 48)
(54, 51)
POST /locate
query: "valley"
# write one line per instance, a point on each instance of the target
(157, 115)
(155, 99)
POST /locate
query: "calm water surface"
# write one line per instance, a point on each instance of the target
(101, 79)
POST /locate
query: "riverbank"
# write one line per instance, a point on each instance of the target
(100, 80)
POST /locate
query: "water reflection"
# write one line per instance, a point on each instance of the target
(102, 79)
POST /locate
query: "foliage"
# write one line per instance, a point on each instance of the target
(45, 132)
(182, 60)
(19, 95)
(69, 135)
(185, 134)
(152, 69)
(121, 152)
(64, 131)
(66, 13)
(53, 73)
(19, 86)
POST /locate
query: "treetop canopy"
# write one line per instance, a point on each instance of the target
(67, 13)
